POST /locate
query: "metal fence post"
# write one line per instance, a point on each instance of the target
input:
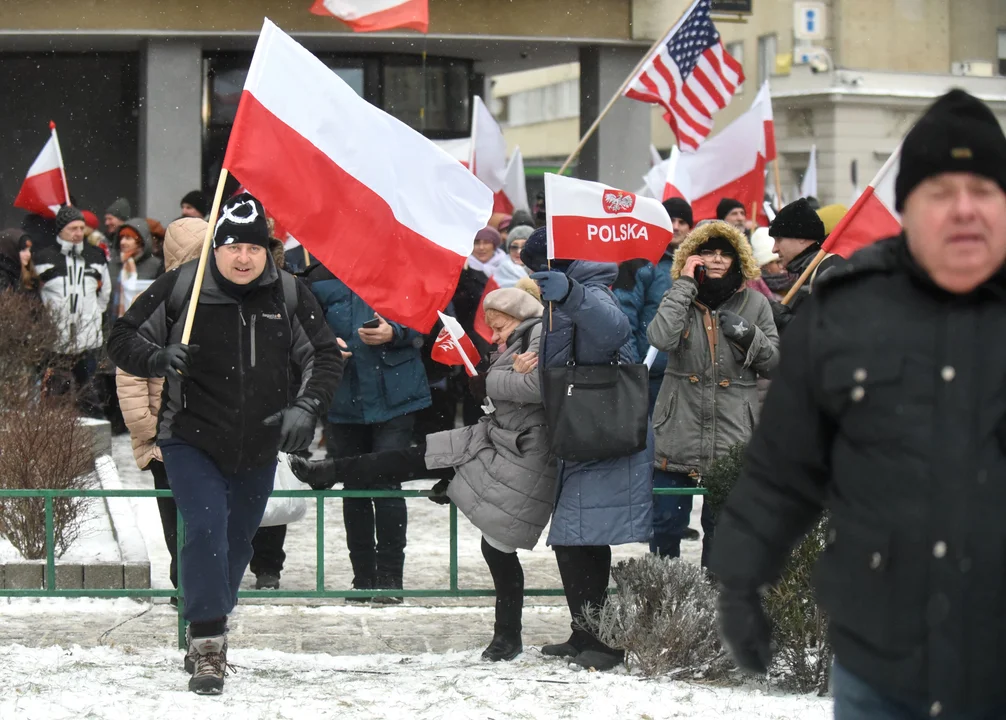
(50, 546)
(454, 548)
(320, 528)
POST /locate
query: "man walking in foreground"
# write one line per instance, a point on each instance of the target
(888, 410)
(227, 408)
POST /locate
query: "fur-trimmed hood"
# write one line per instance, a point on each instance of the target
(700, 235)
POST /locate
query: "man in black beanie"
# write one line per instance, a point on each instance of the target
(680, 213)
(888, 413)
(194, 204)
(733, 212)
(228, 409)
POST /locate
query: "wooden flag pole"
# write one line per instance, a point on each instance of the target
(618, 93)
(778, 184)
(818, 259)
(203, 257)
(307, 258)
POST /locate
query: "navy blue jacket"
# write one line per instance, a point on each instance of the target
(640, 304)
(380, 382)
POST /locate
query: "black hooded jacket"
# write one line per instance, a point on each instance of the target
(888, 411)
(248, 350)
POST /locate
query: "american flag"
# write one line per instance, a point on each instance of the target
(691, 75)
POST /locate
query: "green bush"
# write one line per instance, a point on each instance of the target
(800, 629)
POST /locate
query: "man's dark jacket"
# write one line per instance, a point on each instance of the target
(241, 372)
(886, 411)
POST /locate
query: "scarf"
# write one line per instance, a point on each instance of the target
(238, 292)
(715, 292)
(779, 283)
(488, 268)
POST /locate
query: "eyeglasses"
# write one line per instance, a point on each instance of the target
(516, 247)
(724, 254)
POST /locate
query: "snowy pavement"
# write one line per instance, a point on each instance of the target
(126, 684)
(116, 659)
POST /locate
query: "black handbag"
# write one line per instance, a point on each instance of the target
(596, 412)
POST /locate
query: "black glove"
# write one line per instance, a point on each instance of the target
(319, 474)
(172, 360)
(737, 329)
(745, 630)
(477, 387)
(296, 424)
(439, 491)
(781, 314)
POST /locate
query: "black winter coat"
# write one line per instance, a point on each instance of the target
(241, 372)
(886, 411)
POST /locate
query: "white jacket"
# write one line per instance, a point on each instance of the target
(76, 288)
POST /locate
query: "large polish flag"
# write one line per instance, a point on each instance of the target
(387, 211)
(513, 196)
(731, 164)
(375, 15)
(873, 216)
(488, 148)
(44, 189)
(590, 221)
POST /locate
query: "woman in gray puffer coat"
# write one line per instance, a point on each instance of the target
(498, 472)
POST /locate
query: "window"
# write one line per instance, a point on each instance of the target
(1002, 52)
(438, 105)
(736, 51)
(767, 49)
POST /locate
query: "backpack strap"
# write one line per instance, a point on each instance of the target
(179, 299)
(289, 294)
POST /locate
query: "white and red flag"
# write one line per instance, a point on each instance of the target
(376, 15)
(488, 148)
(730, 164)
(763, 101)
(691, 75)
(318, 156)
(591, 221)
(44, 190)
(873, 217)
(454, 347)
(513, 196)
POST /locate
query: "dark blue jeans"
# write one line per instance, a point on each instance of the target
(221, 512)
(671, 514)
(382, 559)
(857, 700)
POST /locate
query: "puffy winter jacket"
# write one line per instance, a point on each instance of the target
(505, 481)
(241, 373)
(606, 502)
(380, 382)
(708, 401)
(640, 302)
(76, 288)
(140, 398)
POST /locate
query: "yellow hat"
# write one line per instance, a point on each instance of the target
(831, 216)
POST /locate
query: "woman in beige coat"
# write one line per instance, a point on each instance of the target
(140, 398)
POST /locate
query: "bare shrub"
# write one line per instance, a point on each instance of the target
(28, 334)
(42, 445)
(664, 616)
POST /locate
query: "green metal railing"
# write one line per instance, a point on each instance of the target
(49, 588)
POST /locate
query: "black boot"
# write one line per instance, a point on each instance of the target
(388, 582)
(508, 579)
(360, 583)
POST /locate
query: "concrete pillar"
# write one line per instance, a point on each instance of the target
(618, 153)
(170, 126)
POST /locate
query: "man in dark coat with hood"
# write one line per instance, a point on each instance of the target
(888, 411)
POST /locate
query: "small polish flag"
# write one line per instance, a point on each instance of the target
(763, 101)
(454, 347)
(513, 196)
(488, 148)
(375, 15)
(808, 186)
(591, 221)
(317, 155)
(873, 217)
(44, 190)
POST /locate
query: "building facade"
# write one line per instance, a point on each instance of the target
(144, 94)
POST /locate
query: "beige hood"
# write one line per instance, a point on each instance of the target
(183, 240)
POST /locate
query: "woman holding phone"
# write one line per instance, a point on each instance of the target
(719, 336)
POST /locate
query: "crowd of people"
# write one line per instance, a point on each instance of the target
(851, 409)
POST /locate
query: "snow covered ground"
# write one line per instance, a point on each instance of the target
(125, 684)
(116, 659)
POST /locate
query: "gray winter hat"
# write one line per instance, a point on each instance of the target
(66, 215)
(521, 232)
(120, 209)
(514, 302)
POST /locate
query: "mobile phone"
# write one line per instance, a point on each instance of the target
(372, 324)
(700, 274)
